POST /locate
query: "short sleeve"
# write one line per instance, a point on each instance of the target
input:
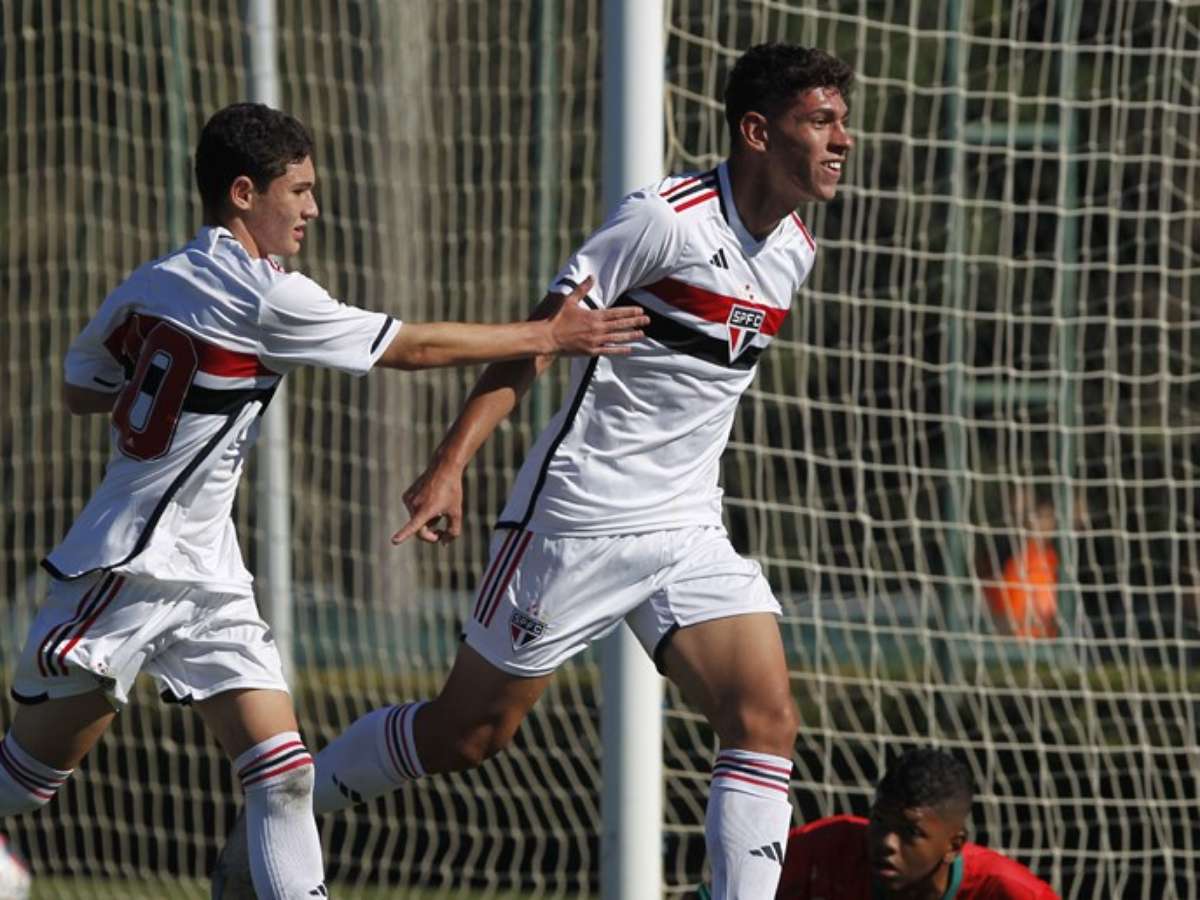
(300, 324)
(637, 245)
(93, 360)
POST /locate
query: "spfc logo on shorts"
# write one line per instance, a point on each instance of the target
(744, 323)
(524, 629)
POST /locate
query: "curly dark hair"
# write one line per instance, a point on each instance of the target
(248, 139)
(929, 778)
(768, 76)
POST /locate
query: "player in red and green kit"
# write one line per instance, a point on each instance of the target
(913, 847)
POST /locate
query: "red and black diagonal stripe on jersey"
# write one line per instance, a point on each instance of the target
(231, 419)
(693, 191)
(710, 306)
(125, 345)
(59, 640)
(568, 422)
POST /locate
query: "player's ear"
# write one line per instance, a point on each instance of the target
(753, 129)
(241, 193)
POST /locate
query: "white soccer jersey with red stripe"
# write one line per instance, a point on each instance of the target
(637, 445)
(195, 343)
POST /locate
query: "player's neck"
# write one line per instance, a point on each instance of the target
(238, 229)
(758, 205)
(931, 888)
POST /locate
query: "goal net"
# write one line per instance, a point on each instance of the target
(968, 465)
(972, 472)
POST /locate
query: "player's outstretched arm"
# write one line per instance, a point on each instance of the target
(81, 401)
(566, 327)
(434, 500)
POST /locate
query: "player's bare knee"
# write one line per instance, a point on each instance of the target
(481, 744)
(452, 738)
(480, 741)
(764, 724)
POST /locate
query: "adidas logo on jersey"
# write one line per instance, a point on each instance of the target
(718, 259)
(523, 629)
(743, 323)
(773, 852)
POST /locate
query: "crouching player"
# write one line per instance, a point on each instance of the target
(913, 847)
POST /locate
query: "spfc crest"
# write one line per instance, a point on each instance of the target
(524, 629)
(744, 323)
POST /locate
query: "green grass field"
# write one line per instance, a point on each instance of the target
(78, 889)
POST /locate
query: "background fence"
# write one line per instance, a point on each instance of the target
(996, 352)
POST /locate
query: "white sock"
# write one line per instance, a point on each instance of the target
(372, 757)
(746, 827)
(284, 848)
(25, 783)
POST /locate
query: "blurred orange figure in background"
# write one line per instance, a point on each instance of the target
(1025, 602)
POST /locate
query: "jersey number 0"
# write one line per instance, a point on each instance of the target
(148, 409)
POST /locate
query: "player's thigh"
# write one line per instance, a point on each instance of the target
(479, 694)
(224, 662)
(241, 718)
(60, 731)
(735, 672)
(713, 629)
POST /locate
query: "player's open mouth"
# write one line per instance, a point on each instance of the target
(834, 166)
(884, 870)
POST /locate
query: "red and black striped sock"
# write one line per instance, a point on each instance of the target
(749, 811)
(284, 847)
(25, 783)
(373, 757)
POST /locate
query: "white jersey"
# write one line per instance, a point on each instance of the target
(637, 446)
(195, 343)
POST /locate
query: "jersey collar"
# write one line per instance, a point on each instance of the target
(952, 885)
(956, 877)
(750, 244)
(208, 235)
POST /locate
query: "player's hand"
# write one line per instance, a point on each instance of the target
(434, 503)
(577, 330)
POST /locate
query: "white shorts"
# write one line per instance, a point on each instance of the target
(544, 598)
(99, 631)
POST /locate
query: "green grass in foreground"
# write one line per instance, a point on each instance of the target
(185, 889)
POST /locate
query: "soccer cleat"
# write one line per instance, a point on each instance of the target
(15, 880)
(231, 878)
